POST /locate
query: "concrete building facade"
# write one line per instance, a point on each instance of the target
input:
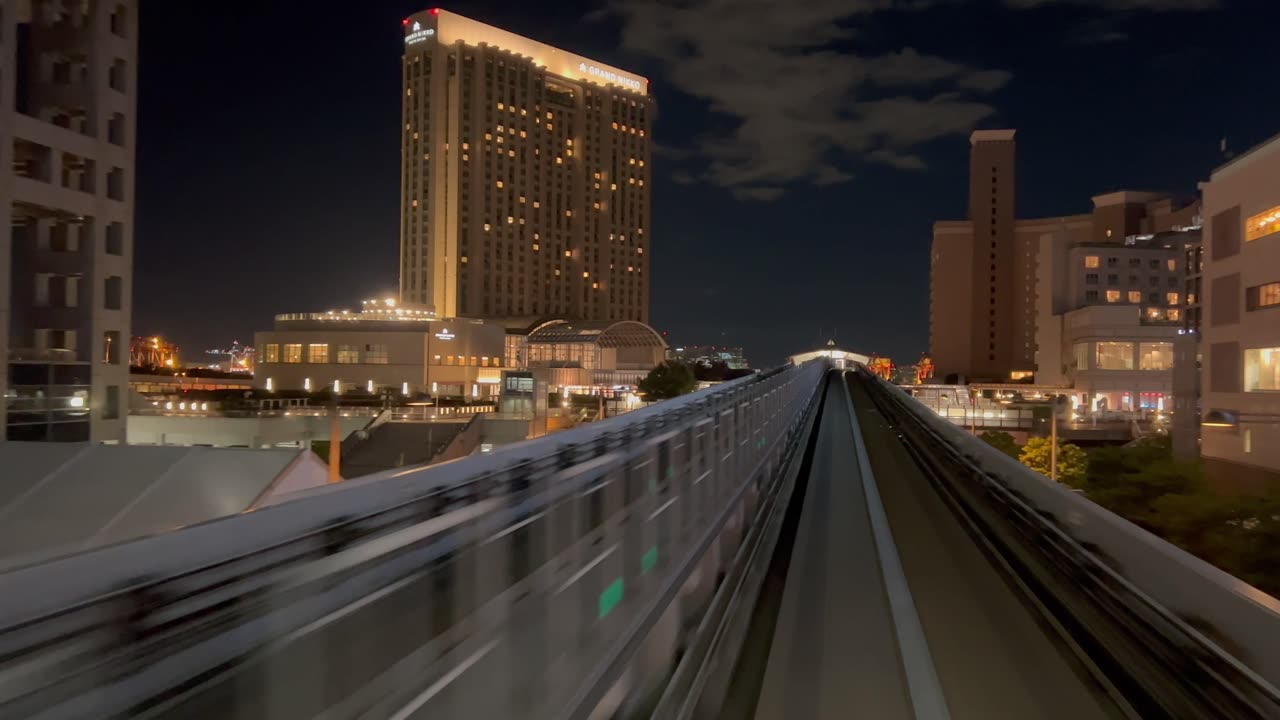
(997, 283)
(410, 353)
(67, 119)
(1240, 326)
(525, 175)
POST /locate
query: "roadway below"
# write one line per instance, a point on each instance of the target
(832, 649)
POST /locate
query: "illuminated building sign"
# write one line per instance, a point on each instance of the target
(417, 34)
(610, 76)
(445, 335)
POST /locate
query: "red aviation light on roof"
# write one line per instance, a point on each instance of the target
(435, 11)
(404, 21)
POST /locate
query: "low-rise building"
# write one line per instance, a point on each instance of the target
(708, 355)
(594, 357)
(1118, 360)
(386, 347)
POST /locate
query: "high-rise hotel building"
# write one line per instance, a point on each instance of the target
(68, 94)
(525, 177)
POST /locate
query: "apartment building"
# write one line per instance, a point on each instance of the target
(1240, 327)
(525, 174)
(68, 98)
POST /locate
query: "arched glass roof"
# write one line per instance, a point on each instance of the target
(606, 334)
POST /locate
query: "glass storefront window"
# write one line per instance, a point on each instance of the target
(1155, 356)
(1261, 369)
(1115, 356)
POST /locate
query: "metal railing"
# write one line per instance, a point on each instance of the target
(549, 578)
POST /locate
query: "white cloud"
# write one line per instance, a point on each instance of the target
(794, 105)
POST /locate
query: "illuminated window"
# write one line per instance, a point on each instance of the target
(586, 274)
(463, 259)
(537, 204)
(536, 247)
(1108, 232)
(1155, 356)
(1262, 224)
(1091, 261)
(568, 253)
(498, 183)
(1263, 296)
(293, 352)
(273, 353)
(348, 354)
(1261, 369)
(1171, 264)
(1114, 356)
(1154, 313)
(1135, 296)
(1175, 314)
(1171, 298)
(318, 353)
(1113, 296)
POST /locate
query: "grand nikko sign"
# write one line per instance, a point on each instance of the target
(610, 76)
(418, 34)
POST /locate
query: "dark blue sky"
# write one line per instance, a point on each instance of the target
(268, 151)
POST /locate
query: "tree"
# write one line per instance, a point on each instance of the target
(666, 381)
(1001, 441)
(1073, 463)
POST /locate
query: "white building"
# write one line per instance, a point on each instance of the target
(67, 117)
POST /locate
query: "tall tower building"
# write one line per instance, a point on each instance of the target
(525, 177)
(977, 272)
(998, 266)
(67, 109)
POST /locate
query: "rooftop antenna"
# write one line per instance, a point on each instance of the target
(1222, 148)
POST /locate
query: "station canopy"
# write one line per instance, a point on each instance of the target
(607, 334)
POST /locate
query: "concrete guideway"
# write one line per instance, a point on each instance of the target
(834, 648)
(994, 655)
(838, 645)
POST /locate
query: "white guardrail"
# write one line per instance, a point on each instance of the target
(484, 587)
(1227, 610)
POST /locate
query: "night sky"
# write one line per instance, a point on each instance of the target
(806, 147)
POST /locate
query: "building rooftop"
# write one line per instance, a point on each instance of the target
(1247, 157)
(59, 498)
(1127, 197)
(452, 28)
(990, 136)
(607, 334)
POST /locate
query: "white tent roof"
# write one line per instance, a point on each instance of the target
(57, 498)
